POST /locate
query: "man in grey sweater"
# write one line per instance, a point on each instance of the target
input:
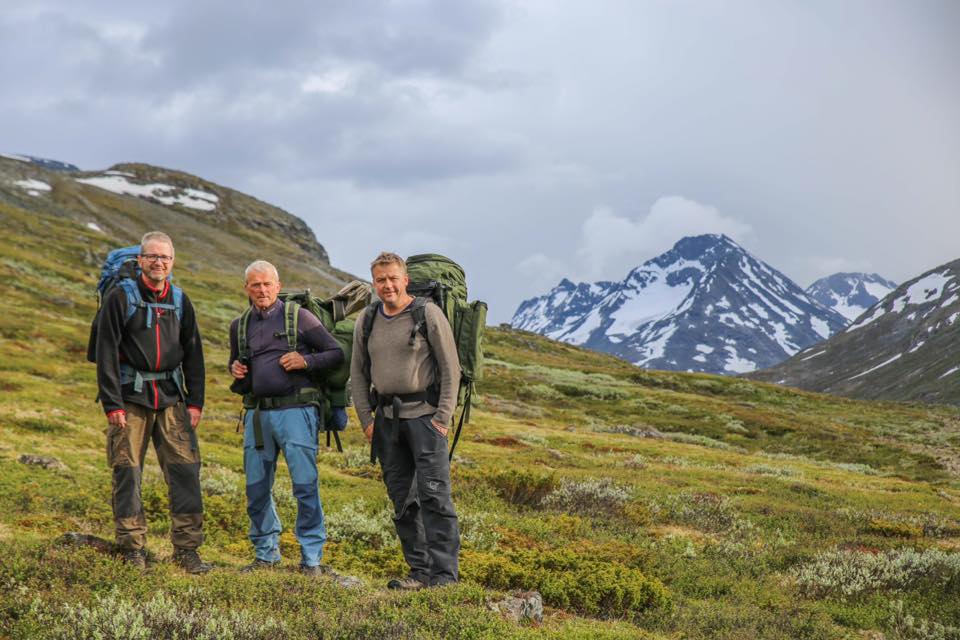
(404, 388)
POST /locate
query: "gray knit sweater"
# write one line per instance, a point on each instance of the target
(397, 367)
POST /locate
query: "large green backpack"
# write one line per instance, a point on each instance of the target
(332, 383)
(440, 279)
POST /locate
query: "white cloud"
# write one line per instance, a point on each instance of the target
(612, 244)
(541, 272)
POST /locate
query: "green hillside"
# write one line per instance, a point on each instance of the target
(640, 504)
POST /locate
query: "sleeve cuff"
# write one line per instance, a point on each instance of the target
(197, 407)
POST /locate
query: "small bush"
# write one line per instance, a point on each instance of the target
(356, 521)
(588, 497)
(478, 531)
(892, 529)
(707, 511)
(768, 470)
(850, 573)
(540, 392)
(571, 582)
(220, 481)
(904, 626)
(523, 488)
(703, 441)
(112, 618)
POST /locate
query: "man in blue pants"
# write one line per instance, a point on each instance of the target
(281, 415)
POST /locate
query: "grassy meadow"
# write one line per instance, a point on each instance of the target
(640, 504)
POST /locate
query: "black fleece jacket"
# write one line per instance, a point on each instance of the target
(169, 343)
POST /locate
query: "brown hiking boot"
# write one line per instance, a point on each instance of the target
(259, 565)
(406, 584)
(189, 560)
(135, 558)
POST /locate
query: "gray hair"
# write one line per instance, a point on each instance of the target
(260, 266)
(155, 236)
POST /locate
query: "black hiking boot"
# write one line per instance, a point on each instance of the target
(136, 558)
(259, 565)
(406, 584)
(189, 560)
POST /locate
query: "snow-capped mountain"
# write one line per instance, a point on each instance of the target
(706, 305)
(850, 294)
(906, 347)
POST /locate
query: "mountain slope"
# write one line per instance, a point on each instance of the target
(706, 305)
(850, 294)
(641, 504)
(906, 347)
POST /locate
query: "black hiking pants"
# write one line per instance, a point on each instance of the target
(413, 456)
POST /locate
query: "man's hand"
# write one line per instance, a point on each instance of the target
(118, 418)
(238, 370)
(292, 361)
(441, 429)
(195, 414)
(368, 431)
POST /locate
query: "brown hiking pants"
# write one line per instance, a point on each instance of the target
(179, 456)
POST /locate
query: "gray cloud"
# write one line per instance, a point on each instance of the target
(495, 130)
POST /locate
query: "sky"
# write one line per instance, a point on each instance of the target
(527, 140)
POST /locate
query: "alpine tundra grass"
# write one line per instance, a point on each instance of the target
(638, 503)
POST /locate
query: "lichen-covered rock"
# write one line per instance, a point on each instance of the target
(520, 606)
(46, 462)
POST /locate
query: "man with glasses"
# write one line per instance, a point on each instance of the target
(150, 378)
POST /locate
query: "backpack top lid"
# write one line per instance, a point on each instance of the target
(427, 267)
(120, 263)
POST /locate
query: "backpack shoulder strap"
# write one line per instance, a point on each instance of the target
(134, 299)
(291, 323)
(177, 300)
(242, 325)
(419, 312)
(368, 317)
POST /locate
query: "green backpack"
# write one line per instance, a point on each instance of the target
(330, 384)
(440, 279)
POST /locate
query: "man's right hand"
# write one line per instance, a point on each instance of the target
(368, 431)
(238, 370)
(118, 419)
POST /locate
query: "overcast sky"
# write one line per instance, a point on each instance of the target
(528, 140)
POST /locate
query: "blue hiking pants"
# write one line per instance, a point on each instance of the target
(292, 431)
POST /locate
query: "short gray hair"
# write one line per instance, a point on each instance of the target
(260, 266)
(155, 236)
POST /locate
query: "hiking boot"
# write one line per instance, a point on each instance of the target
(318, 570)
(135, 558)
(189, 560)
(406, 584)
(259, 565)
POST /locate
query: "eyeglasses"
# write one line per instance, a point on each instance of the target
(156, 257)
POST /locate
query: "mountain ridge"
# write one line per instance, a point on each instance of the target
(706, 305)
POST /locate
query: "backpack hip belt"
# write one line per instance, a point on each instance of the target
(128, 374)
(430, 395)
(305, 396)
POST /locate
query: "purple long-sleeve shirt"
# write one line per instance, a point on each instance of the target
(314, 343)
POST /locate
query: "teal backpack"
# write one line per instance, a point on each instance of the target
(439, 279)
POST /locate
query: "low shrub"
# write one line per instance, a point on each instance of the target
(850, 573)
(893, 529)
(523, 488)
(769, 470)
(111, 617)
(358, 522)
(478, 531)
(571, 582)
(903, 626)
(590, 497)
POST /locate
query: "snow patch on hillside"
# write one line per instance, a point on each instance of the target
(117, 182)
